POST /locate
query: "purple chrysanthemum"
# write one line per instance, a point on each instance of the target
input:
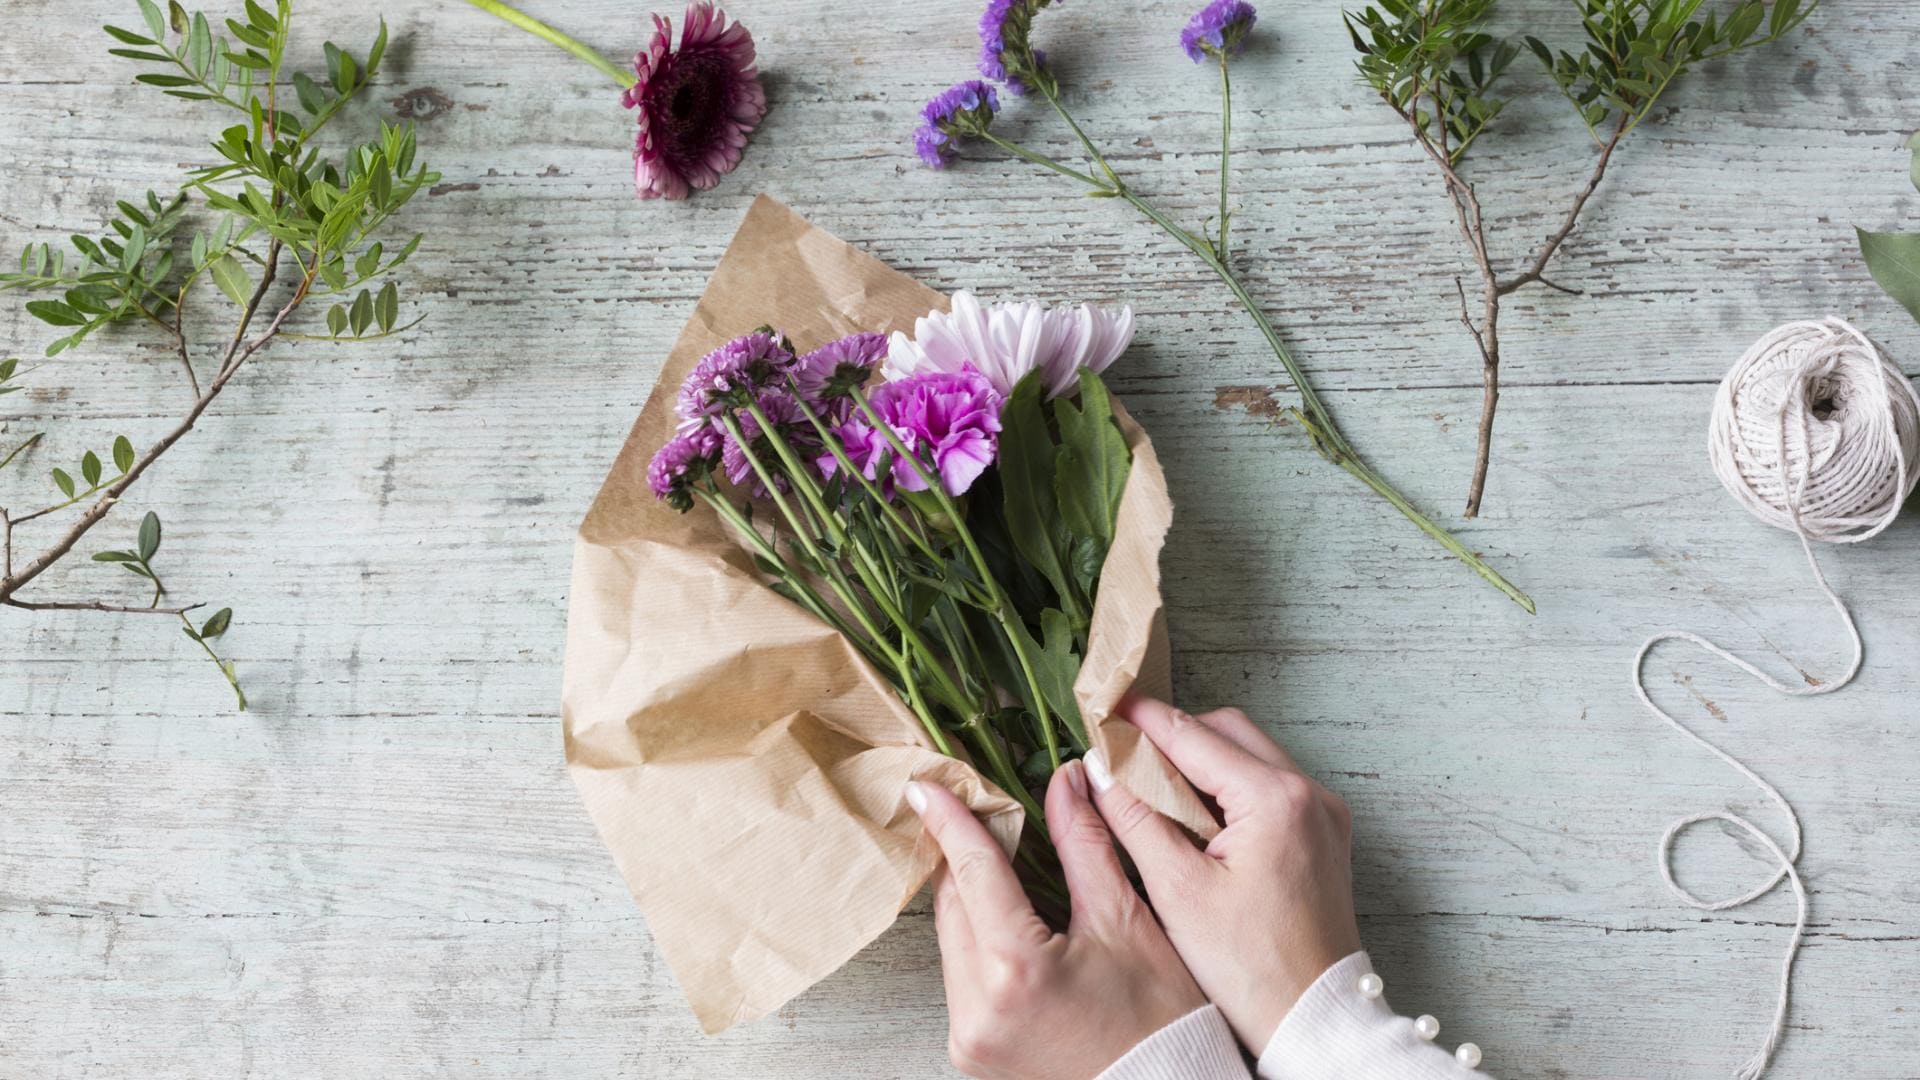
(826, 376)
(950, 421)
(960, 110)
(683, 460)
(724, 376)
(779, 407)
(1006, 52)
(1219, 29)
(697, 105)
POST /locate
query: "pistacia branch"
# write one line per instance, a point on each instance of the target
(1435, 65)
(280, 222)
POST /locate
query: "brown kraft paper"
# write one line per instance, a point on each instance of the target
(743, 763)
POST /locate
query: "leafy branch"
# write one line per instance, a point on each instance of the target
(1435, 65)
(285, 222)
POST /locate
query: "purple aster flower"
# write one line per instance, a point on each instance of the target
(1007, 54)
(827, 375)
(950, 421)
(683, 460)
(1219, 29)
(724, 377)
(960, 110)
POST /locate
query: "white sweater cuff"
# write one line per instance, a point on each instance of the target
(1198, 1046)
(1335, 1032)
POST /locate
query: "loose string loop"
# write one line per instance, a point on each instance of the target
(1816, 432)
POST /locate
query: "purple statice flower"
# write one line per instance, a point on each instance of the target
(949, 421)
(677, 465)
(780, 408)
(1219, 29)
(960, 110)
(1006, 55)
(724, 377)
(827, 376)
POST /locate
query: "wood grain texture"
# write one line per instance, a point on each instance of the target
(383, 871)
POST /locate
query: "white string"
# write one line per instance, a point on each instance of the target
(1814, 431)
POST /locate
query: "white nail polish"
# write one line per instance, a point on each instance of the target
(916, 797)
(1097, 770)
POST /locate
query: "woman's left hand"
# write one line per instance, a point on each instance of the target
(1022, 1000)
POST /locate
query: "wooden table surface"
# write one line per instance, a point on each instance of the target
(382, 869)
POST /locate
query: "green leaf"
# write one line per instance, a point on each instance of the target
(1090, 474)
(379, 49)
(231, 276)
(337, 320)
(122, 454)
(217, 625)
(199, 45)
(1026, 472)
(128, 36)
(362, 314)
(312, 98)
(149, 536)
(55, 313)
(386, 308)
(115, 556)
(1913, 144)
(163, 80)
(177, 16)
(261, 18)
(1894, 261)
(64, 482)
(156, 22)
(90, 469)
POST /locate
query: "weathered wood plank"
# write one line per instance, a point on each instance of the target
(382, 869)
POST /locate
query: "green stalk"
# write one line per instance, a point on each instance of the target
(841, 587)
(1226, 149)
(547, 33)
(1002, 609)
(864, 564)
(1313, 414)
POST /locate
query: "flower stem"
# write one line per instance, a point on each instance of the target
(538, 29)
(1002, 608)
(1226, 149)
(1325, 435)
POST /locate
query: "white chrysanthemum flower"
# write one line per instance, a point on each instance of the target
(1005, 341)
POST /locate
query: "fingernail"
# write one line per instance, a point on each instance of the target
(916, 797)
(1097, 770)
(1076, 778)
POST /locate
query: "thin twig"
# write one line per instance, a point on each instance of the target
(96, 605)
(1573, 213)
(237, 354)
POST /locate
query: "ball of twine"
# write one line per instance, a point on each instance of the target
(1817, 432)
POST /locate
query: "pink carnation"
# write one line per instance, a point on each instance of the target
(950, 421)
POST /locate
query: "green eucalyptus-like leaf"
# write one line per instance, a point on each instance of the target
(217, 625)
(122, 453)
(231, 276)
(1894, 261)
(90, 469)
(64, 482)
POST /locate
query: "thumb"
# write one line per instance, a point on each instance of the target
(1160, 848)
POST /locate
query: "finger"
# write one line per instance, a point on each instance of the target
(1205, 756)
(1159, 847)
(1096, 884)
(1240, 729)
(957, 956)
(996, 905)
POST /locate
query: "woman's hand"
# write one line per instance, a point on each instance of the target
(1022, 1000)
(1268, 905)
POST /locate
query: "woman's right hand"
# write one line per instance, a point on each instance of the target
(1267, 905)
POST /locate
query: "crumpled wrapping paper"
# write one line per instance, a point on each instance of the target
(743, 763)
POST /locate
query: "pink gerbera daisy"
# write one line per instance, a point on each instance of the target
(697, 104)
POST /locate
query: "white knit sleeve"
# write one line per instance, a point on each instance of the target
(1198, 1046)
(1342, 1029)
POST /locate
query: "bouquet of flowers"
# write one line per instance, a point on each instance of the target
(950, 521)
(892, 539)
